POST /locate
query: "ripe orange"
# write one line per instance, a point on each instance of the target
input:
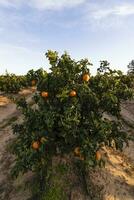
(86, 77)
(98, 155)
(73, 93)
(77, 151)
(44, 94)
(35, 145)
(43, 139)
(33, 82)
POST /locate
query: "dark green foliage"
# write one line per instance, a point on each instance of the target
(69, 122)
(34, 75)
(10, 83)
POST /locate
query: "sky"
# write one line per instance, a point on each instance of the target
(93, 29)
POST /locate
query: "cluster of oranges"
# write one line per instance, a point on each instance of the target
(78, 154)
(77, 151)
(72, 93)
(36, 144)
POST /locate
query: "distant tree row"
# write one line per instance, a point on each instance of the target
(13, 83)
(131, 67)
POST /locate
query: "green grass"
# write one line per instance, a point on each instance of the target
(55, 193)
(56, 187)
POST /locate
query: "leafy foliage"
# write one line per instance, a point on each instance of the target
(34, 75)
(66, 124)
(12, 83)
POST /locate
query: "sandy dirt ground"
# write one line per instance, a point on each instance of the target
(10, 189)
(116, 180)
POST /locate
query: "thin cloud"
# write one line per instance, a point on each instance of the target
(108, 15)
(10, 3)
(42, 4)
(57, 4)
(120, 10)
(125, 10)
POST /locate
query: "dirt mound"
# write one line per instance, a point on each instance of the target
(10, 189)
(4, 101)
(116, 180)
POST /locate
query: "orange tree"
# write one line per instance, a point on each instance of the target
(12, 83)
(68, 115)
(33, 76)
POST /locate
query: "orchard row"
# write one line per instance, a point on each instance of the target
(11, 83)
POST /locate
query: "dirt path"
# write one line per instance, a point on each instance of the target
(127, 112)
(10, 189)
(8, 108)
(116, 180)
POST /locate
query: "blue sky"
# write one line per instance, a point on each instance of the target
(95, 29)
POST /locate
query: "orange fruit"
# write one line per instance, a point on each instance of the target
(86, 77)
(33, 82)
(44, 94)
(73, 93)
(43, 139)
(77, 151)
(98, 155)
(35, 145)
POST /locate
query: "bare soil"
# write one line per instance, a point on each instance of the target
(10, 189)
